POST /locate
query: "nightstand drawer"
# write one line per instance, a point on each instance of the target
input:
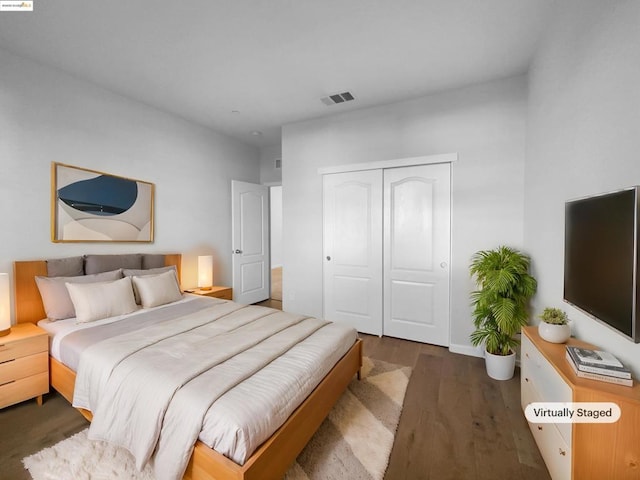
(23, 367)
(24, 389)
(23, 348)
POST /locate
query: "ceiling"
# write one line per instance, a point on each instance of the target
(243, 66)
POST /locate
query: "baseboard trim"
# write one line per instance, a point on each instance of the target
(466, 350)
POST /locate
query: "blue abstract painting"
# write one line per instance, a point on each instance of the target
(92, 206)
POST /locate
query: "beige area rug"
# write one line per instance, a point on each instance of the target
(353, 443)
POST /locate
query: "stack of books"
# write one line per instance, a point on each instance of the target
(598, 365)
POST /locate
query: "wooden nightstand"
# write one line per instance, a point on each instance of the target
(24, 364)
(226, 293)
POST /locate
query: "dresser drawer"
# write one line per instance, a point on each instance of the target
(24, 389)
(542, 377)
(23, 367)
(23, 347)
(554, 450)
(528, 393)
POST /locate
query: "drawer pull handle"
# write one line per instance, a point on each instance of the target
(526, 355)
(562, 452)
(539, 428)
(7, 361)
(526, 379)
(7, 383)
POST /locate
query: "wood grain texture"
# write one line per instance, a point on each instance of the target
(29, 307)
(456, 421)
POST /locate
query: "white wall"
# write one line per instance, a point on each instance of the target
(275, 225)
(484, 124)
(48, 116)
(269, 174)
(583, 137)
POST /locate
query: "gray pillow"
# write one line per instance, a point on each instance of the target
(65, 267)
(55, 296)
(151, 271)
(107, 263)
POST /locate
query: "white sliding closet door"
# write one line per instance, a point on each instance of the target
(352, 244)
(386, 251)
(416, 253)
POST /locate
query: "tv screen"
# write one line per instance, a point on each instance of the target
(600, 258)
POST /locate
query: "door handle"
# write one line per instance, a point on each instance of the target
(328, 258)
(237, 251)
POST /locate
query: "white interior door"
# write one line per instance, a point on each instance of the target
(352, 244)
(250, 242)
(417, 202)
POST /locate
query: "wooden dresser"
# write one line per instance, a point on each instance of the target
(24, 364)
(579, 451)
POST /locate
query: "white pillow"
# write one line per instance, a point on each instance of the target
(127, 272)
(155, 290)
(55, 296)
(94, 301)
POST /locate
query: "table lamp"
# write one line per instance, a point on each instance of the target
(205, 272)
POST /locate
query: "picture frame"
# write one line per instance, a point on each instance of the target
(92, 206)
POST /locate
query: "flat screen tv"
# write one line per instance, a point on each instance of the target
(601, 259)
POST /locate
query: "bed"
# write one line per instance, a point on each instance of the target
(273, 457)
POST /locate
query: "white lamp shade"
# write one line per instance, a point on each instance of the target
(205, 271)
(5, 302)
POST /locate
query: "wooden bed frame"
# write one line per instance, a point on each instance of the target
(272, 459)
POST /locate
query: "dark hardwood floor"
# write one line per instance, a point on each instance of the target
(457, 423)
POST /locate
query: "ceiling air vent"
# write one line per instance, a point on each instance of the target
(337, 98)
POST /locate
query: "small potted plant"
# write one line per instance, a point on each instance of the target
(500, 305)
(554, 326)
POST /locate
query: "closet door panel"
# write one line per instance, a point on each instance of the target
(352, 244)
(416, 253)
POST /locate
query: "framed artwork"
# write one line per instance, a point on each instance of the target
(91, 206)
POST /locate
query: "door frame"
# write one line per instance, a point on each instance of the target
(398, 162)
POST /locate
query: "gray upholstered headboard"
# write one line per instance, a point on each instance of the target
(90, 264)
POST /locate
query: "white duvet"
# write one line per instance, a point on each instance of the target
(227, 374)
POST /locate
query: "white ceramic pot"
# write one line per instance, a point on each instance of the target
(500, 367)
(554, 333)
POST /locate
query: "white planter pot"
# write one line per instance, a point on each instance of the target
(554, 333)
(500, 367)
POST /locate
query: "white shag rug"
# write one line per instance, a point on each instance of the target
(354, 442)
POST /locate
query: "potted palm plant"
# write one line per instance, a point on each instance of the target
(500, 305)
(554, 326)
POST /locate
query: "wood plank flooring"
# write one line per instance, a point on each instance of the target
(457, 423)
